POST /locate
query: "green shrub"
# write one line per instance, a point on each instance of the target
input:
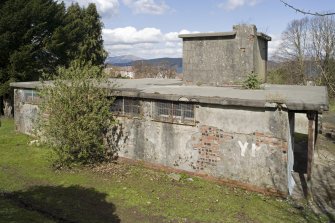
(74, 115)
(252, 82)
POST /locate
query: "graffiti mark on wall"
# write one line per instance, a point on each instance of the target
(244, 147)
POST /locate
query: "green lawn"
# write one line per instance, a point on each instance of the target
(31, 191)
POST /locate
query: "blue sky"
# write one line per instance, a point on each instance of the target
(149, 28)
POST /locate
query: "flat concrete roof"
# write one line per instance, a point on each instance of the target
(219, 34)
(213, 34)
(294, 97)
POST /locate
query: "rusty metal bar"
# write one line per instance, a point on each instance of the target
(316, 126)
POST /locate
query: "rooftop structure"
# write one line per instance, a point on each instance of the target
(224, 58)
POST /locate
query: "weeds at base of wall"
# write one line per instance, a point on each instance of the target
(252, 82)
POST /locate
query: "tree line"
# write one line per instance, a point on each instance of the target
(307, 53)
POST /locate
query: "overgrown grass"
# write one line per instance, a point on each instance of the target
(31, 191)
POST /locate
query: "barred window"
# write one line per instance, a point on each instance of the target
(174, 112)
(30, 96)
(126, 106)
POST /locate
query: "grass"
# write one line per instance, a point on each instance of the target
(31, 191)
(331, 105)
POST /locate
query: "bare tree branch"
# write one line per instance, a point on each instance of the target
(307, 12)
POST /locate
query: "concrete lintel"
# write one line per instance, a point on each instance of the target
(26, 85)
(214, 34)
(264, 36)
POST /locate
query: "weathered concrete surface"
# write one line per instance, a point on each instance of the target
(249, 146)
(25, 112)
(219, 59)
(240, 135)
(294, 97)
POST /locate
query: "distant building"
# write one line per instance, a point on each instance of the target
(120, 72)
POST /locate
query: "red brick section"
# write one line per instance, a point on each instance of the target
(211, 138)
(208, 146)
(221, 181)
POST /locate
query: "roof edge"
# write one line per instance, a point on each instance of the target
(213, 34)
(264, 36)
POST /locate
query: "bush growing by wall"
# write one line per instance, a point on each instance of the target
(75, 116)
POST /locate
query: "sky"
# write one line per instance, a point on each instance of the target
(150, 28)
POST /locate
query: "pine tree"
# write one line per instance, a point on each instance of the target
(91, 48)
(25, 29)
(37, 36)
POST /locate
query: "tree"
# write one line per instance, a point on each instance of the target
(75, 117)
(293, 50)
(308, 52)
(25, 27)
(37, 36)
(83, 35)
(91, 48)
(322, 31)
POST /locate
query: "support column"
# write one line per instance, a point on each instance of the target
(312, 123)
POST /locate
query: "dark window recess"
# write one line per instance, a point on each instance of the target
(126, 106)
(174, 112)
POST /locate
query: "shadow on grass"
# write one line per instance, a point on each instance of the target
(66, 204)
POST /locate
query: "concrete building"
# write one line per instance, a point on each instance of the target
(245, 137)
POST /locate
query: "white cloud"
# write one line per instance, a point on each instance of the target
(147, 42)
(274, 44)
(173, 36)
(147, 6)
(104, 7)
(130, 35)
(234, 4)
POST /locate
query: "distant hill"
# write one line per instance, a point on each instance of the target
(122, 59)
(129, 60)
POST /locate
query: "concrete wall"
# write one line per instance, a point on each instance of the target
(238, 144)
(226, 59)
(233, 143)
(25, 111)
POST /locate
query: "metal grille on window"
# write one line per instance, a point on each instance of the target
(131, 106)
(117, 106)
(174, 112)
(163, 110)
(126, 106)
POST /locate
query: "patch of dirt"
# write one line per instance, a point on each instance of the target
(123, 169)
(132, 215)
(242, 217)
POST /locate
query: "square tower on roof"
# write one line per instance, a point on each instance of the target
(224, 58)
